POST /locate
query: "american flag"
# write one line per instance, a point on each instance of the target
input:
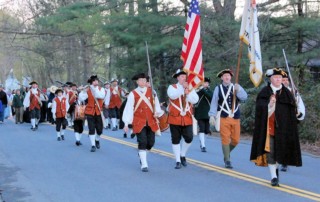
(192, 47)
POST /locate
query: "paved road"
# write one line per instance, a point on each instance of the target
(35, 167)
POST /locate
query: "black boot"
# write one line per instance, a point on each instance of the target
(275, 182)
(93, 149)
(227, 164)
(178, 165)
(183, 161)
(125, 135)
(98, 144)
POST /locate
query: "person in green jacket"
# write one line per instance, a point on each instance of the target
(17, 103)
(201, 112)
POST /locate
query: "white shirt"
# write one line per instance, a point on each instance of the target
(175, 93)
(98, 94)
(128, 112)
(26, 101)
(54, 105)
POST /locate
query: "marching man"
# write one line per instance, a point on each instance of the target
(275, 139)
(114, 103)
(180, 116)
(201, 112)
(301, 109)
(222, 101)
(60, 106)
(139, 112)
(32, 100)
(94, 95)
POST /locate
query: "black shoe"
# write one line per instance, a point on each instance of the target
(145, 169)
(16, 122)
(62, 137)
(59, 138)
(203, 149)
(183, 161)
(93, 149)
(36, 126)
(227, 164)
(34, 129)
(125, 135)
(114, 129)
(284, 168)
(78, 143)
(132, 135)
(178, 165)
(98, 144)
(275, 182)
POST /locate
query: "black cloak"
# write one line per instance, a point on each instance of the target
(286, 139)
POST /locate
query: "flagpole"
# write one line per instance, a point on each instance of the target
(237, 76)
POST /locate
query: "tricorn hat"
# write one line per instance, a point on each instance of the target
(58, 90)
(275, 71)
(114, 80)
(178, 73)
(107, 82)
(92, 78)
(139, 76)
(68, 83)
(33, 82)
(207, 79)
(225, 71)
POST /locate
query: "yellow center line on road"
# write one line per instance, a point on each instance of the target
(231, 173)
(242, 176)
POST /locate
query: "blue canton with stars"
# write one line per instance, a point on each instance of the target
(194, 8)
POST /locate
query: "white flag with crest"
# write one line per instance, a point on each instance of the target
(249, 34)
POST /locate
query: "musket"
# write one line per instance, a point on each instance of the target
(59, 82)
(294, 89)
(22, 85)
(150, 76)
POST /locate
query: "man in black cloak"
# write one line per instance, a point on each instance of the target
(275, 139)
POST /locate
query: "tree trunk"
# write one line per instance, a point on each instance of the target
(227, 10)
(300, 37)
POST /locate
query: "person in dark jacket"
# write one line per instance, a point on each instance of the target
(201, 112)
(50, 100)
(17, 104)
(4, 102)
(275, 138)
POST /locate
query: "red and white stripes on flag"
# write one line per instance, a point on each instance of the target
(249, 34)
(192, 47)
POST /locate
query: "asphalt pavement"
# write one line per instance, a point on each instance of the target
(34, 167)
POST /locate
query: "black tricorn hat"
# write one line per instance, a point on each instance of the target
(225, 71)
(139, 76)
(68, 83)
(178, 73)
(33, 82)
(207, 79)
(58, 90)
(275, 71)
(92, 78)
